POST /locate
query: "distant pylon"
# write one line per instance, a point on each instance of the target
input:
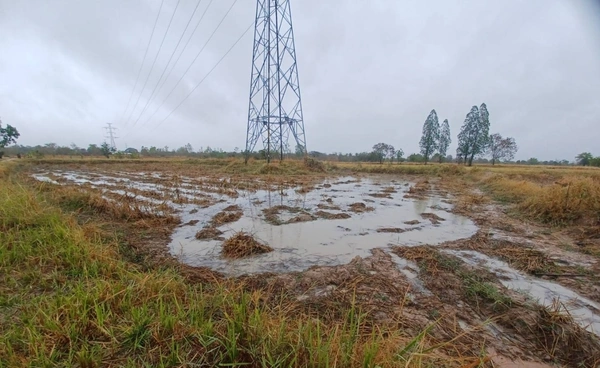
(111, 135)
(275, 103)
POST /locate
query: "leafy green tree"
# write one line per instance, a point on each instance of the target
(474, 134)
(533, 161)
(381, 151)
(8, 135)
(445, 140)
(415, 157)
(300, 151)
(430, 139)
(584, 158)
(501, 148)
(399, 154)
(107, 150)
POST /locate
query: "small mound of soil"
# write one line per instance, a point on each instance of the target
(359, 207)
(389, 190)
(332, 216)
(225, 217)
(304, 217)
(208, 233)
(380, 195)
(435, 219)
(243, 245)
(193, 211)
(396, 230)
(232, 208)
(272, 215)
(304, 189)
(327, 207)
(412, 222)
(191, 223)
(326, 185)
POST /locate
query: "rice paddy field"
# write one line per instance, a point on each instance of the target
(201, 263)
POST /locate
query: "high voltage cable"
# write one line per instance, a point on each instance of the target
(185, 46)
(143, 60)
(207, 74)
(168, 62)
(192, 63)
(154, 62)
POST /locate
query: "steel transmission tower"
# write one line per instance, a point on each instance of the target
(275, 104)
(111, 135)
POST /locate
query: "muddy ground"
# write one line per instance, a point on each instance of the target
(413, 252)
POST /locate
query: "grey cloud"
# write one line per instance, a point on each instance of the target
(369, 71)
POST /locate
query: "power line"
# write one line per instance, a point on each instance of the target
(143, 60)
(155, 57)
(168, 63)
(192, 63)
(207, 74)
(185, 46)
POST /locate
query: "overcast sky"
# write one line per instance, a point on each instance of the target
(370, 71)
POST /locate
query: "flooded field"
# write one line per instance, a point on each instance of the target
(329, 223)
(412, 242)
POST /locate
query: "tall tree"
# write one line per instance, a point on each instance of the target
(106, 150)
(381, 151)
(501, 148)
(584, 158)
(445, 139)
(8, 135)
(473, 136)
(430, 138)
(399, 154)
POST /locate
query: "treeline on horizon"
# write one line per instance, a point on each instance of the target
(52, 149)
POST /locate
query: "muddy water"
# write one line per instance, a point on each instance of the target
(299, 246)
(585, 311)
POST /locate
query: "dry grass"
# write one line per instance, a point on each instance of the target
(208, 233)
(243, 245)
(225, 217)
(396, 230)
(569, 201)
(332, 216)
(360, 207)
(435, 219)
(564, 340)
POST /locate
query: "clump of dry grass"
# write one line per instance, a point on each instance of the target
(574, 200)
(419, 190)
(225, 217)
(243, 245)
(435, 219)
(332, 216)
(327, 207)
(314, 165)
(396, 230)
(564, 340)
(208, 233)
(360, 207)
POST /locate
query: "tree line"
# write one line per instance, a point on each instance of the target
(475, 145)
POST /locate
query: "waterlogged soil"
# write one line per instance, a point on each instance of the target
(304, 235)
(407, 250)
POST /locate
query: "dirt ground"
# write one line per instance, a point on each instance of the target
(443, 289)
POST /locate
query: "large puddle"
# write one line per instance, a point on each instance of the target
(300, 245)
(378, 213)
(583, 310)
